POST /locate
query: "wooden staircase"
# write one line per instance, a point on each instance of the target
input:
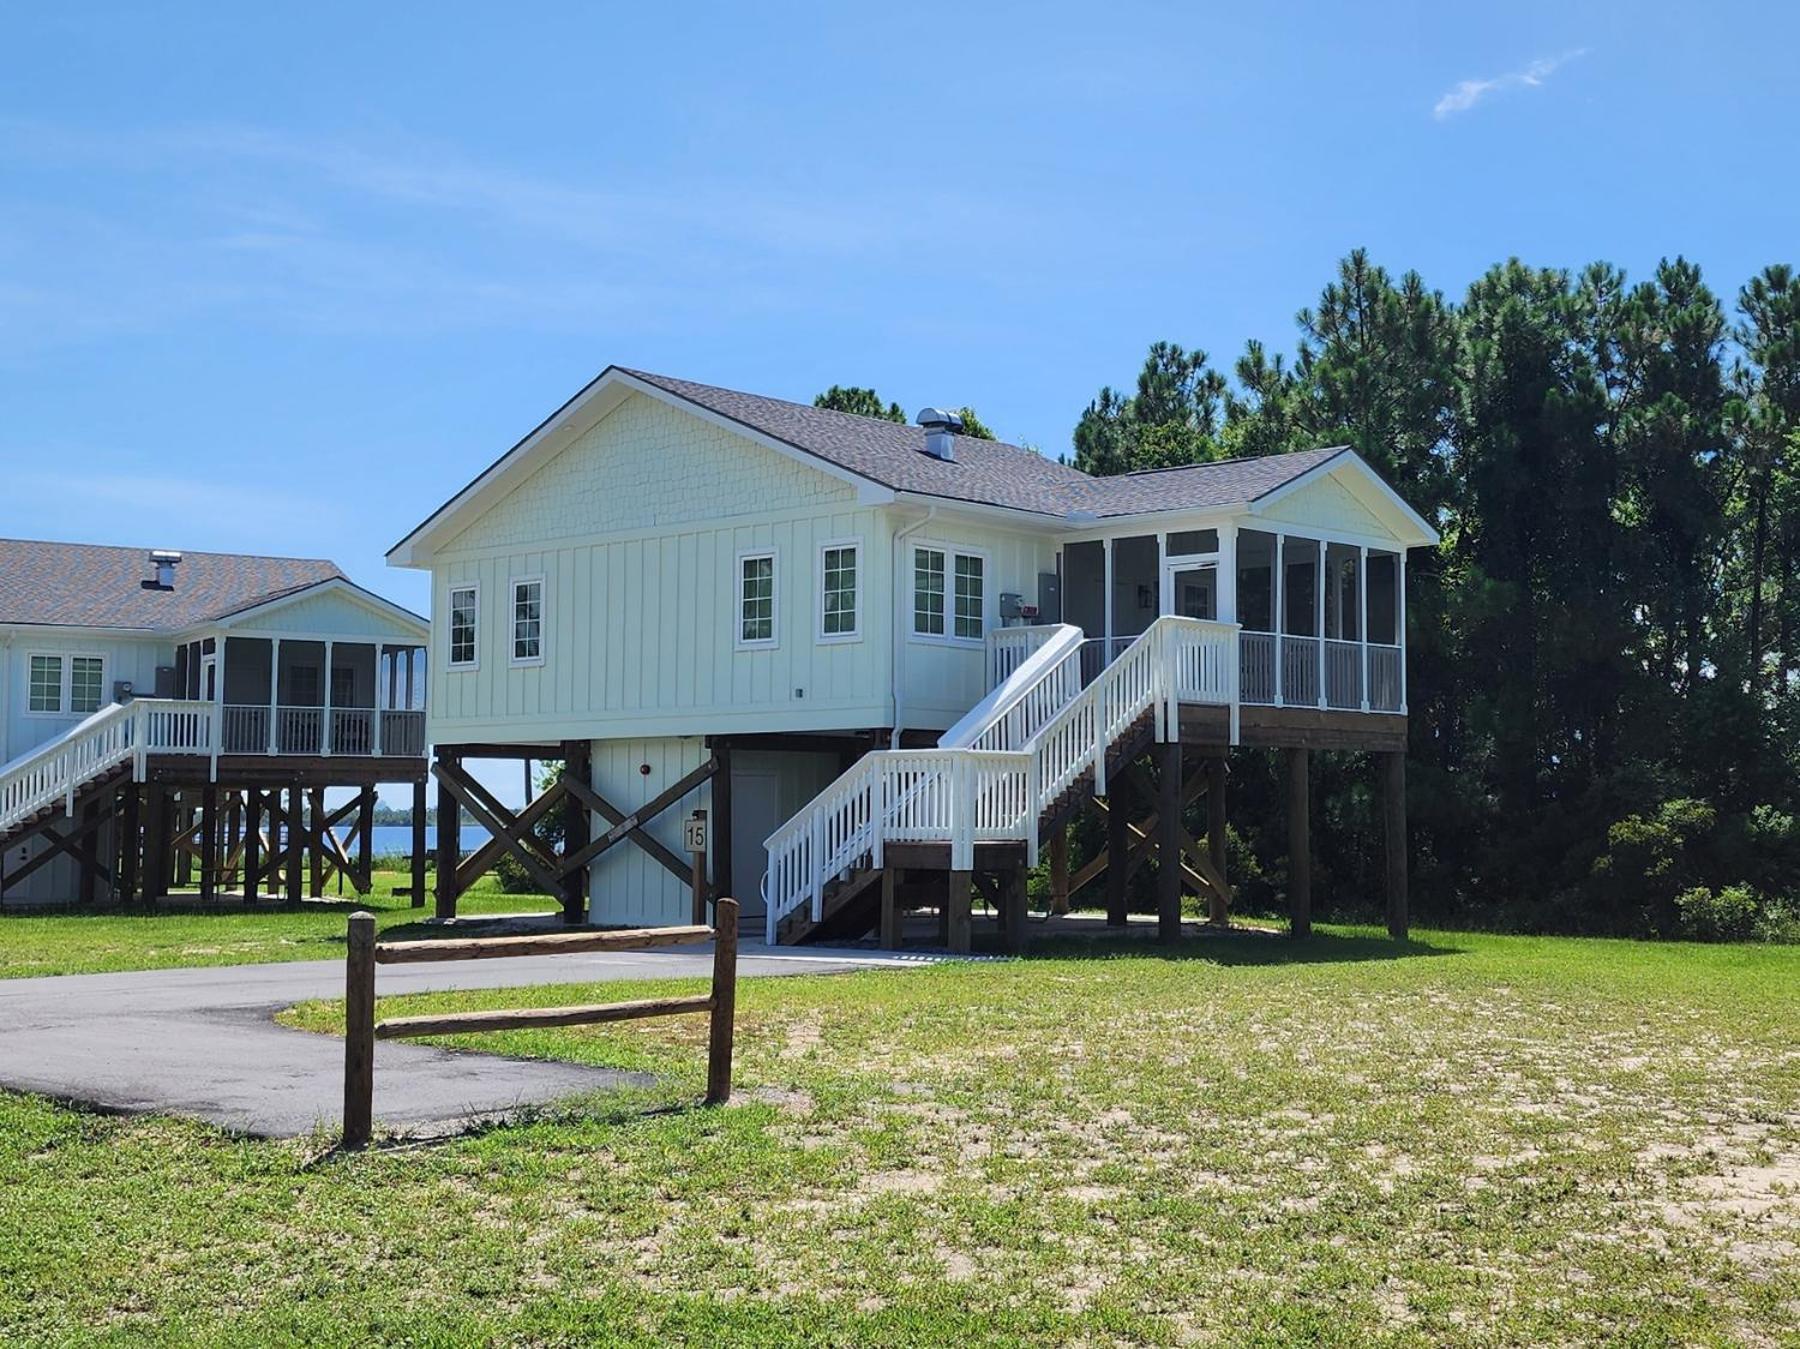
(87, 790)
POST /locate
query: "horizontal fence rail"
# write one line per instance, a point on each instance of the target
(361, 1030)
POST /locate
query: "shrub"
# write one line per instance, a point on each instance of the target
(1727, 914)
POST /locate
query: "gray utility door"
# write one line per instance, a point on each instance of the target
(755, 814)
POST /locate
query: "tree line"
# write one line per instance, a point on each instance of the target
(1604, 678)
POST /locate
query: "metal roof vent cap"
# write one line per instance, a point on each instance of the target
(164, 561)
(941, 430)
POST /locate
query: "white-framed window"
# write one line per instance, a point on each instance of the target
(756, 606)
(44, 685)
(465, 619)
(87, 684)
(971, 591)
(840, 591)
(928, 592)
(949, 594)
(528, 620)
(58, 684)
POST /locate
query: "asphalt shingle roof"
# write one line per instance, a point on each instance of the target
(988, 472)
(93, 585)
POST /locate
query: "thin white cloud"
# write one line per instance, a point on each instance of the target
(1467, 93)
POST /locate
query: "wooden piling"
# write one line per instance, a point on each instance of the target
(1299, 845)
(724, 1002)
(359, 1031)
(1393, 811)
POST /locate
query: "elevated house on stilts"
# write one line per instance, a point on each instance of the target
(893, 663)
(173, 721)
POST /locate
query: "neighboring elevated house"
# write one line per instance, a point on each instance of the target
(888, 650)
(157, 706)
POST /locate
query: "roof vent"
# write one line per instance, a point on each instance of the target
(164, 561)
(941, 430)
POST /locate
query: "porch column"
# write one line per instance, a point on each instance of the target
(1280, 615)
(1106, 643)
(375, 730)
(325, 726)
(1400, 620)
(1362, 627)
(1225, 607)
(1319, 623)
(274, 692)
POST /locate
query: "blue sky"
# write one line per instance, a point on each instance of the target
(283, 278)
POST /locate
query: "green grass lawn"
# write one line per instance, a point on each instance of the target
(179, 932)
(1475, 1139)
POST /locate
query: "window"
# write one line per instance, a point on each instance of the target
(464, 611)
(949, 594)
(1190, 542)
(528, 621)
(928, 592)
(968, 596)
(46, 684)
(756, 599)
(838, 591)
(87, 684)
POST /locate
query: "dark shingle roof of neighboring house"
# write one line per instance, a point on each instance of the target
(987, 472)
(96, 586)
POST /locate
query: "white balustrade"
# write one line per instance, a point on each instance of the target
(1343, 674)
(1385, 663)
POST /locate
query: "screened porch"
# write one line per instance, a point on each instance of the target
(1322, 628)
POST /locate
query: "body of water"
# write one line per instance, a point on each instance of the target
(394, 839)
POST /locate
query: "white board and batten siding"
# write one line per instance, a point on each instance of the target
(637, 529)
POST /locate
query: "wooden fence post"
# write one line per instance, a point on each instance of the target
(724, 999)
(359, 1031)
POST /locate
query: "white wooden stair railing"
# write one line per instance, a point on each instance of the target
(998, 769)
(119, 733)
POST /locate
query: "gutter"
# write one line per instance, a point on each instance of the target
(897, 671)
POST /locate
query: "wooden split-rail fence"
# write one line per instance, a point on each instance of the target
(365, 953)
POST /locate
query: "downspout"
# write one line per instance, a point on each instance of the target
(898, 661)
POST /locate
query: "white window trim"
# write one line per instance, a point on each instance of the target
(512, 625)
(65, 692)
(951, 552)
(855, 634)
(773, 640)
(474, 587)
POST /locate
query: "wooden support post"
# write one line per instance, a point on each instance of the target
(234, 836)
(449, 843)
(418, 843)
(209, 843)
(578, 764)
(724, 1002)
(722, 882)
(125, 865)
(1118, 849)
(89, 855)
(183, 859)
(296, 876)
(156, 842)
(1299, 845)
(252, 843)
(1168, 843)
(890, 912)
(1393, 811)
(1059, 869)
(365, 829)
(316, 800)
(359, 1031)
(959, 921)
(1215, 836)
(1012, 910)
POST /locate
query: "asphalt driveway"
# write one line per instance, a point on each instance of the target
(203, 1042)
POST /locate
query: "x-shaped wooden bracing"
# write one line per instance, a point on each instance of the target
(511, 832)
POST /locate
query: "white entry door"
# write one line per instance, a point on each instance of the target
(1191, 591)
(755, 814)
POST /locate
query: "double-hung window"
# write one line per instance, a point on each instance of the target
(465, 608)
(756, 599)
(46, 690)
(87, 684)
(839, 592)
(949, 594)
(528, 620)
